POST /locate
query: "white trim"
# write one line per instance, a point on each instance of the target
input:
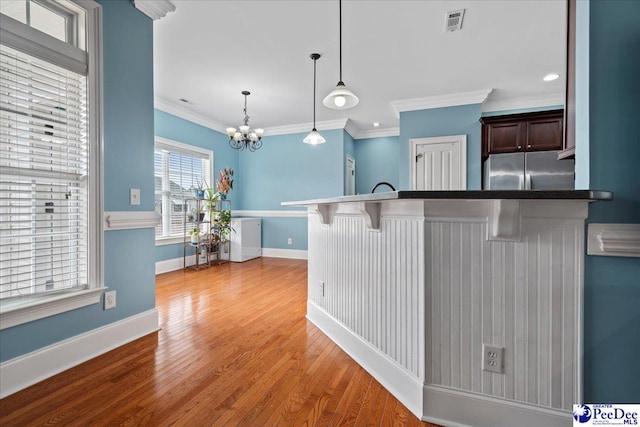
(523, 102)
(270, 214)
(377, 133)
(26, 370)
(125, 220)
(613, 240)
(400, 383)
(351, 128)
(154, 9)
(284, 253)
(174, 264)
(460, 139)
(171, 145)
(306, 127)
(180, 111)
(459, 408)
(96, 136)
(164, 241)
(439, 101)
(17, 312)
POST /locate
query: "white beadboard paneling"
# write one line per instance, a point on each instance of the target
(379, 296)
(429, 288)
(523, 296)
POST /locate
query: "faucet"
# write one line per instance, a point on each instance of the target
(383, 183)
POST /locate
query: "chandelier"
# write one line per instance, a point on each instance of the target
(245, 138)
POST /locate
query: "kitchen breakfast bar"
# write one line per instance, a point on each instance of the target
(415, 284)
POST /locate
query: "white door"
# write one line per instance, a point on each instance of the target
(439, 163)
(350, 176)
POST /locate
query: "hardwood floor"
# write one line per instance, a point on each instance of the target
(234, 350)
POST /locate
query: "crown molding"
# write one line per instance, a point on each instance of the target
(154, 9)
(305, 127)
(439, 101)
(180, 111)
(523, 102)
(378, 133)
(351, 129)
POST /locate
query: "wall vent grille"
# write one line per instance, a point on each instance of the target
(453, 21)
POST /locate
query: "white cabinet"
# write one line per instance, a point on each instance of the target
(246, 243)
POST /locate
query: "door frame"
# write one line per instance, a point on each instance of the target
(461, 140)
(346, 171)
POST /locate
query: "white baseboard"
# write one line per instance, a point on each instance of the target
(402, 384)
(176, 263)
(456, 408)
(173, 264)
(24, 371)
(284, 253)
(438, 405)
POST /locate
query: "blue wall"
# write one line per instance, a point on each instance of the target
(286, 169)
(612, 285)
(459, 120)
(522, 110)
(128, 150)
(377, 159)
(180, 130)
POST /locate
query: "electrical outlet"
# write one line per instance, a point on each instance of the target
(492, 358)
(289, 241)
(321, 287)
(109, 300)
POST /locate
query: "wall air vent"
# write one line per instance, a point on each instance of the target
(453, 20)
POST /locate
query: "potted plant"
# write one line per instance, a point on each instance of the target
(222, 221)
(198, 189)
(225, 183)
(195, 235)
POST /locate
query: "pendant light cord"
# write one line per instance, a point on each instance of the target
(340, 20)
(314, 93)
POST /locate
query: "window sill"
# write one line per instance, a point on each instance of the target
(163, 241)
(13, 313)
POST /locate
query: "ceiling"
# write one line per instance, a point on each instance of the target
(207, 52)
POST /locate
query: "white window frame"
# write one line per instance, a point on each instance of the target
(179, 146)
(35, 43)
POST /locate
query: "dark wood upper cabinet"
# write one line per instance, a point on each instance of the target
(539, 131)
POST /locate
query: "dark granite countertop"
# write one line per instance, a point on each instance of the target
(586, 195)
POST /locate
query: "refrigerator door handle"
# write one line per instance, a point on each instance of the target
(527, 181)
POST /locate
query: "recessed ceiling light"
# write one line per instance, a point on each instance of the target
(376, 124)
(551, 77)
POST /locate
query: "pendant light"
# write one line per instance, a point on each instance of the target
(314, 137)
(340, 98)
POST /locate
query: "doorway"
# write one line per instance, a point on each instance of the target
(350, 176)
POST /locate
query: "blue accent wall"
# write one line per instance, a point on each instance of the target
(377, 160)
(128, 152)
(286, 169)
(459, 120)
(612, 284)
(522, 110)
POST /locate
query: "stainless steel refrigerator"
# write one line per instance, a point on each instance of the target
(528, 171)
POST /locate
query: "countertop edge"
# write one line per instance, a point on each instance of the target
(585, 195)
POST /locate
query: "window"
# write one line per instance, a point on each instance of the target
(179, 168)
(50, 209)
(60, 19)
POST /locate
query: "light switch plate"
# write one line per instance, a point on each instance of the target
(134, 196)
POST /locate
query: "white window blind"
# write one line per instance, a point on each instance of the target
(177, 172)
(43, 176)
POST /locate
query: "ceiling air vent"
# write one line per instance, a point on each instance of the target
(453, 20)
